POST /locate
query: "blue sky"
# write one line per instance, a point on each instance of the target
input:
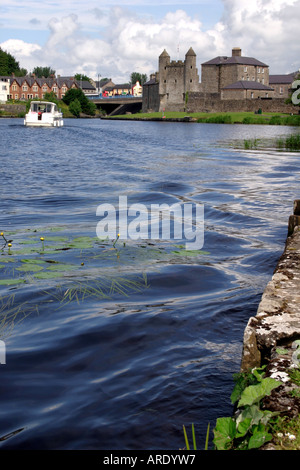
(112, 40)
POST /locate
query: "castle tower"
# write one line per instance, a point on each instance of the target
(191, 77)
(163, 63)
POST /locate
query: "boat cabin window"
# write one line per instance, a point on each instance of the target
(41, 107)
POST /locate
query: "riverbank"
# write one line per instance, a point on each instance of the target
(218, 118)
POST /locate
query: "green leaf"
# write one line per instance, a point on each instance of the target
(258, 439)
(243, 427)
(47, 275)
(224, 433)
(7, 260)
(30, 268)
(254, 393)
(190, 252)
(251, 412)
(9, 282)
(33, 261)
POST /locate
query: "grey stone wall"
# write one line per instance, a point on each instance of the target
(151, 101)
(202, 102)
(13, 109)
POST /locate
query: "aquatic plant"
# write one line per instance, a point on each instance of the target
(250, 427)
(251, 144)
(76, 268)
(187, 445)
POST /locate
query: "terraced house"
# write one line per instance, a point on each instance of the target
(29, 87)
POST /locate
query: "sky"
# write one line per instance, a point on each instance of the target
(111, 40)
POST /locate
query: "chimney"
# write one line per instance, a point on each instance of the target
(236, 52)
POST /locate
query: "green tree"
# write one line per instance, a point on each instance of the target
(87, 106)
(138, 77)
(45, 72)
(75, 107)
(80, 76)
(9, 65)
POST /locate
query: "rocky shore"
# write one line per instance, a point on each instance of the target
(272, 337)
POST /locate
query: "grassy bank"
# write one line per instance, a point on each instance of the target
(221, 118)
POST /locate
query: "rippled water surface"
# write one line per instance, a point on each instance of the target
(117, 347)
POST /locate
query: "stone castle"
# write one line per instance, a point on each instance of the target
(234, 83)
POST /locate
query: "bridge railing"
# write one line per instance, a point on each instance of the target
(101, 97)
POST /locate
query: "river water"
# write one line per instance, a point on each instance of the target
(118, 344)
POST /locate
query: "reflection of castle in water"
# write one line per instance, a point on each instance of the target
(226, 82)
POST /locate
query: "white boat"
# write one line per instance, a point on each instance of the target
(43, 114)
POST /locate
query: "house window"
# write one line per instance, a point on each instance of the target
(14, 88)
(45, 88)
(252, 94)
(16, 96)
(34, 88)
(263, 81)
(262, 70)
(245, 69)
(24, 87)
(281, 90)
(258, 70)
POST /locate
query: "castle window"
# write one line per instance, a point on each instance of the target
(191, 66)
(191, 80)
(165, 81)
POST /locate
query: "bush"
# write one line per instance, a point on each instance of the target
(224, 119)
(275, 120)
(87, 107)
(75, 107)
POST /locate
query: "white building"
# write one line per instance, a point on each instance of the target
(4, 89)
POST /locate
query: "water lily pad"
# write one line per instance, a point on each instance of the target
(190, 252)
(47, 275)
(33, 261)
(30, 268)
(9, 282)
(7, 260)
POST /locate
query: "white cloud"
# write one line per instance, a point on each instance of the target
(117, 41)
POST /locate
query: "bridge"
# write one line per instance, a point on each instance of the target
(121, 104)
